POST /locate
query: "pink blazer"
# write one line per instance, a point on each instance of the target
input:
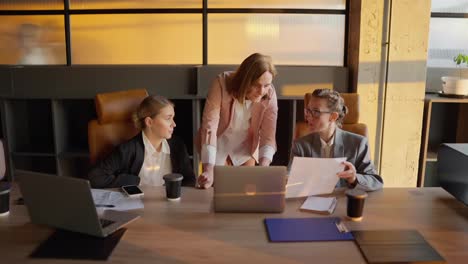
(219, 111)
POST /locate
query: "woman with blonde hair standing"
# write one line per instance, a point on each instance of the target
(239, 120)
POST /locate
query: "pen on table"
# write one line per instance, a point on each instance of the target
(105, 205)
(333, 205)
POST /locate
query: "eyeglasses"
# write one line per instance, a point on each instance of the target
(315, 113)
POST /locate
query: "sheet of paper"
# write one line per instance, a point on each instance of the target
(318, 203)
(118, 200)
(312, 176)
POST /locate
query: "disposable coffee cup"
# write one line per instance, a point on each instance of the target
(173, 184)
(355, 205)
(4, 198)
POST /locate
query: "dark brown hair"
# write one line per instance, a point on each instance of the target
(149, 107)
(335, 103)
(248, 72)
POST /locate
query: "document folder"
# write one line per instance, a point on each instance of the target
(305, 229)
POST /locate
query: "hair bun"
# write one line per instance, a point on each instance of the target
(345, 110)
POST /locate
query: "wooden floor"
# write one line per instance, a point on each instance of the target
(188, 231)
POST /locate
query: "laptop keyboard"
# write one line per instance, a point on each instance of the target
(105, 222)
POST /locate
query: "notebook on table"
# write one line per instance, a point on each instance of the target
(319, 205)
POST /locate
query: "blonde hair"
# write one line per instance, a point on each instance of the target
(248, 72)
(335, 103)
(149, 107)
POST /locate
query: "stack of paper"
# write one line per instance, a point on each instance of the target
(114, 200)
(321, 205)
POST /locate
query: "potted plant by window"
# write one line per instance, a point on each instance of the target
(456, 86)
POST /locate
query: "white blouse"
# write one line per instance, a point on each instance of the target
(327, 148)
(235, 142)
(155, 164)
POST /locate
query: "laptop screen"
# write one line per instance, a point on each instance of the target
(452, 164)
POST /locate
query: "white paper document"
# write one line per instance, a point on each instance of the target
(312, 176)
(323, 205)
(104, 199)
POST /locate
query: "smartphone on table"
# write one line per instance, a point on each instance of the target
(132, 190)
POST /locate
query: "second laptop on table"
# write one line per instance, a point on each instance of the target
(249, 189)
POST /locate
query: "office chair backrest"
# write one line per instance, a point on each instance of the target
(114, 121)
(350, 121)
(3, 160)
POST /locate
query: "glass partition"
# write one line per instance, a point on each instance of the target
(310, 4)
(31, 4)
(291, 39)
(137, 39)
(450, 6)
(124, 4)
(447, 38)
(32, 40)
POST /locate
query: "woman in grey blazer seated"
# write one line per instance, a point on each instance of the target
(324, 114)
(147, 157)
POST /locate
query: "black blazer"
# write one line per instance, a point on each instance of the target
(123, 165)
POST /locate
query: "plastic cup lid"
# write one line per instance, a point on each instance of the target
(4, 187)
(173, 177)
(356, 193)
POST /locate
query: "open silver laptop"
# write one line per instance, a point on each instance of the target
(67, 203)
(249, 189)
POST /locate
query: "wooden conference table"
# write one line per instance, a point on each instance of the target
(188, 231)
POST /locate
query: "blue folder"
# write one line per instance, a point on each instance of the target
(305, 229)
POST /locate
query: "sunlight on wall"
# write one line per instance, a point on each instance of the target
(402, 133)
(405, 100)
(369, 68)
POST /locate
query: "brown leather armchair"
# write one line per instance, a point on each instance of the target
(3, 160)
(114, 121)
(350, 122)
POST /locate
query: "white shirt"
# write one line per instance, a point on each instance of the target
(36, 56)
(326, 151)
(234, 142)
(155, 164)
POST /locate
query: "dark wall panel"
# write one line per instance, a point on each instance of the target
(291, 81)
(182, 82)
(5, 82)
(86, 82)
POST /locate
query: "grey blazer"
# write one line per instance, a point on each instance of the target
(352, 146)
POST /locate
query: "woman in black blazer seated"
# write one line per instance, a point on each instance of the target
(324, 114)
(147, 157)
